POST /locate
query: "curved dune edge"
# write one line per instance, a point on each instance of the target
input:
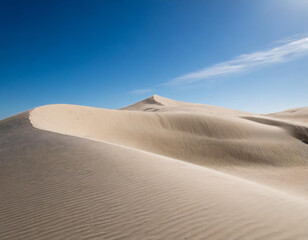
(207, 140)
(190, 165)
(74, 188)
(244, 145)
(296, 114)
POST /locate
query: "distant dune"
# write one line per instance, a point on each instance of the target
(158, 169)
(297, 114)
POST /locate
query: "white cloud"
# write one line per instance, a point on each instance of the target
(141, 91)
(283, 53)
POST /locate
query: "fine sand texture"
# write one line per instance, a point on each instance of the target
(296, 114)
(158, 169)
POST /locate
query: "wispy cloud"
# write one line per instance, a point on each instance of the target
(141, 91)
(292, 38)
(283, 53)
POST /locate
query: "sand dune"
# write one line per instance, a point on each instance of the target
(296, 114)
(158, 169)
(210, 136)
(157, 103)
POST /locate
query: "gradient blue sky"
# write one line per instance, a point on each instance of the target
(246, 55)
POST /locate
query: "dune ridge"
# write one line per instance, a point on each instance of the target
(73, 172)
(295, 114)
(206, 138)
(157, 103)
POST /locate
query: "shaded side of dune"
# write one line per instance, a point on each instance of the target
(297, 131)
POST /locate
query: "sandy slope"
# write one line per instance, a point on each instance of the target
(57, 183)
(296, 114)
(207, 135)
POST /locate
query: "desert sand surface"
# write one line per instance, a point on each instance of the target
(158, 169)
(296, 114)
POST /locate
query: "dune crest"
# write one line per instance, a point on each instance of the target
(211, 137)
(157, 103)
(296, 114)
(255, 147)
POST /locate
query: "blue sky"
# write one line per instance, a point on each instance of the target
(246, 55)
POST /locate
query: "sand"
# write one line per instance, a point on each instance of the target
(296, 114)
(158, 169)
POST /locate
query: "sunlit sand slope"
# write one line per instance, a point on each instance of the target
(204, 135)
(296, 114)
(55, 186)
